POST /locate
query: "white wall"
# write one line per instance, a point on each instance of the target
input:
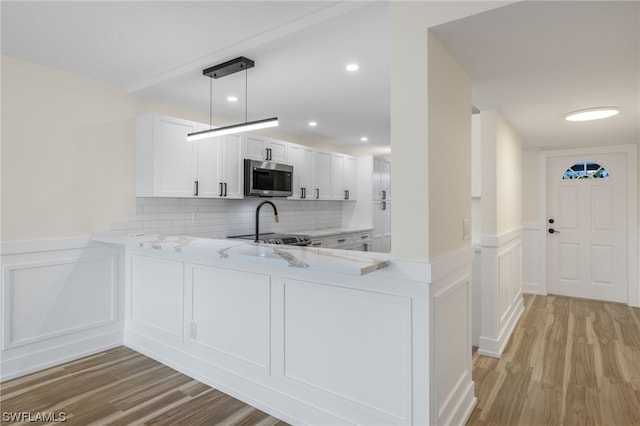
(430, 134)
(498, 273)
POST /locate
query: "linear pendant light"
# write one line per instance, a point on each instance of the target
(238, 64)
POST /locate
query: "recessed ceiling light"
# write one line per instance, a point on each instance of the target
(232, 98)
(364, 139)
(592, 114)
(313, 123)
(353, 67)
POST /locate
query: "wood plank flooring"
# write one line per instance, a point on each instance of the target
(569, 362)
(123, 387)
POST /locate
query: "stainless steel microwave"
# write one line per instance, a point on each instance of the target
(267, 179)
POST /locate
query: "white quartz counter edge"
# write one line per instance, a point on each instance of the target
(319, 259)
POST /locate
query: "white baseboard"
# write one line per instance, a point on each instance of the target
(533, 288)
(230, 383)
(29, 362)
(495, 347)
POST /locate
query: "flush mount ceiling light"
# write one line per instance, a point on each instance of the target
(230, 67)
(592, 114)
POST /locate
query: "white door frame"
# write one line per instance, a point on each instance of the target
(631, 150)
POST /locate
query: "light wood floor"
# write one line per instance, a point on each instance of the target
(569, 362)
(123, 387)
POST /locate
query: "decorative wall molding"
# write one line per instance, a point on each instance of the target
(501, 290)
(61, 300)
(501, 239)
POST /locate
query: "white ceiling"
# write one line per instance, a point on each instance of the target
(533, 61)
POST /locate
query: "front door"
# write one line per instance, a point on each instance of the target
(587, 226)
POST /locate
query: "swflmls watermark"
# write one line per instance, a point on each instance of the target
(39, 417)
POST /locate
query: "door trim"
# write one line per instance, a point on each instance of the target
(631, 151)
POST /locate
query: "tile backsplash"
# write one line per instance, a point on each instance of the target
(219, 218)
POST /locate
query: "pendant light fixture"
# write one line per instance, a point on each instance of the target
(230, 67)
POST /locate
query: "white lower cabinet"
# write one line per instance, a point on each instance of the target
(360, 241)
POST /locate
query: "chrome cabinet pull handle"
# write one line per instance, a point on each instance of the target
(220, 189)
(384, 195)
(195, 188)
(317, 193)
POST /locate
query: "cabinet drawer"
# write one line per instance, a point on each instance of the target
(318, 242)
(340, 240)
(361, 237)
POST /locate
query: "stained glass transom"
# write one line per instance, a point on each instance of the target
(586, 170)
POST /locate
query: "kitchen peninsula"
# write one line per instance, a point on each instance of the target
(309, 335)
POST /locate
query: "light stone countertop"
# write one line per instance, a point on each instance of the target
(319, 259)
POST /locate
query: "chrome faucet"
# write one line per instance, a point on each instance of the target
(275, 212)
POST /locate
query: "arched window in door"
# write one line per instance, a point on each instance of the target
(586, 170)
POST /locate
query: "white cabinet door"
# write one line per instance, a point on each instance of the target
(230, 166)
(385, 179)
(321, 176)
(208, 172)
(382, 226)
(166, 164)
(337, 177)
(277, 151)
(301, 158)
(306, 173)
(264, 149)
(351, 178)
(343, 177)
(381, 179)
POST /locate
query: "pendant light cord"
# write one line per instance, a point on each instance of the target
(210, 103)
(246, 94)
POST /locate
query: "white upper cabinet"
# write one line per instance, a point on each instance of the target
(169, 166)
(321, 176)
(166, 164)
(343, 177)
(301, 158)
(265, 149)
(231, 167)
(220, 167)
(207, 172)
(381, 179)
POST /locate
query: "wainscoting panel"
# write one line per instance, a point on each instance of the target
(501, 290)
(371, 369)
(59, 302)
(452, 337)
(210, 291)
(43, 300)
(160, 281)
(533, 281)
